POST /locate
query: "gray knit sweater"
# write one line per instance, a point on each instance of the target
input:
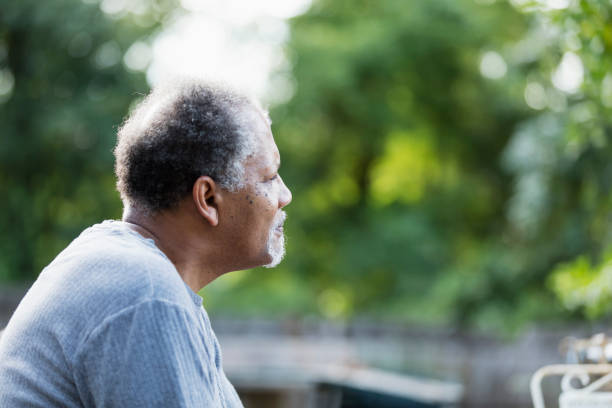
(110, 323)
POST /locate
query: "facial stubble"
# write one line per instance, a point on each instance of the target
(276, 243)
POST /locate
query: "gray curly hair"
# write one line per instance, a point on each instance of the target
(178, 133)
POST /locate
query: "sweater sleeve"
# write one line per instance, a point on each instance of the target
(152, 354)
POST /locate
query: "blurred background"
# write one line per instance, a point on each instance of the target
(449, 162)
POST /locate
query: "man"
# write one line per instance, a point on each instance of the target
(115, 319)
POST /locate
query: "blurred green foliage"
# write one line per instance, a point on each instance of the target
(446, 161)
(392, 144)
(449, 159)
(63, 91)
(568, 159)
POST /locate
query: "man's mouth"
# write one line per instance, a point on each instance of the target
(279, 227)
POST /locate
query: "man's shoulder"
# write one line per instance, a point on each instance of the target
(116, 262)
(105, 270)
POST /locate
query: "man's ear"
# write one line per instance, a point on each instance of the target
(207, 199)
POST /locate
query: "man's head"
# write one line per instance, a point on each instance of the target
(178, 133)
(211, 147)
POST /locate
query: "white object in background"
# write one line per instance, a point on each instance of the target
(589, 396)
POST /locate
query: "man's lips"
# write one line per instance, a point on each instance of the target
(279, 227)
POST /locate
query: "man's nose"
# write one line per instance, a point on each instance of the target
(285, 195)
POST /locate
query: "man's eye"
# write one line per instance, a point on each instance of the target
(273, 178)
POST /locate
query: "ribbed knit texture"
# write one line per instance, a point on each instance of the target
(110, 323)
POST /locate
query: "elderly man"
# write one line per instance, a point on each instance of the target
(115, 319)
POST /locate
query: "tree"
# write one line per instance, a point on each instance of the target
(568, 164)
(63, 91)
(393, 142)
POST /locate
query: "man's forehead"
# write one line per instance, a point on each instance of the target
(265, 115)
(275, 159)
(266, 151)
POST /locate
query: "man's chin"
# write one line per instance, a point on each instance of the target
(273, 264)
(275, 259)
(276, 253)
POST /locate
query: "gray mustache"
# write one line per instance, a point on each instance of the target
(282, 217)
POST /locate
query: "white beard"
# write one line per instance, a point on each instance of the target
(276, 244)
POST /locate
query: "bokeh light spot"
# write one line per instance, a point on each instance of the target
(138, 56)
(569, 74)
(535, 96)
(492, 65)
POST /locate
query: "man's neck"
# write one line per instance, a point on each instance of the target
(175, 237)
